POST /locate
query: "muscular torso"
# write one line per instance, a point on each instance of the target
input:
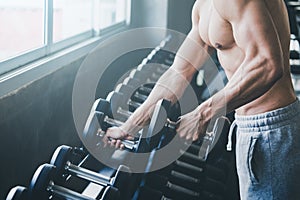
(218, 33)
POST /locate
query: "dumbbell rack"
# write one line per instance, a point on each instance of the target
(186, 178)
(294, 17)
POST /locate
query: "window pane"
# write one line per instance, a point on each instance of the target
(21, 25)
(111, 12)
(71, 17)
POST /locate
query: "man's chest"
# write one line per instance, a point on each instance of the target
(214, 30)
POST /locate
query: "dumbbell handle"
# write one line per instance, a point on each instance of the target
(209, 138)
(123, 112)
(66, 193)
(129, 144)
(112, 122)
(88, 174)
(181, 189)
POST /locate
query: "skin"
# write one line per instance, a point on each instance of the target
(251, 38)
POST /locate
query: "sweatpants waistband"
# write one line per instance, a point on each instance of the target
(268, 120)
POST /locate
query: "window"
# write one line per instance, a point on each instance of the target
(33, 29)
(71, 17)
(111, 12)
(21, 25)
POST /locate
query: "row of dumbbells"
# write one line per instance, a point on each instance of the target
(49, 180)
(43, 184)
(190, 176)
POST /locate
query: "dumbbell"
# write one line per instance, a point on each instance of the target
(136, 86)
(95, 128)
(118, 106)
(18, 193)
(170, 189)
(144, 72)
(131, 94)
(196, 183)
(136, 83)
(121, 107)
(98, 122)
(42, 186)
(161, 110)
(130, 91)
(208, 140)
(201, 190)
(157, 69)
(199, 171)
(61, 159)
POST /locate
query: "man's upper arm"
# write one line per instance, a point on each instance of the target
(193, 52)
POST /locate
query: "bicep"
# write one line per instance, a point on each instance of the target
(193, 52)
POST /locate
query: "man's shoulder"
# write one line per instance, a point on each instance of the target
(231, 9)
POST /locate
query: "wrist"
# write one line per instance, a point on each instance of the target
(205, 111)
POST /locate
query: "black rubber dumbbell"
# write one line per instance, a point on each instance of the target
(159, 70)
(61, 159)
(42, 186)
(94, 131)
(120, 106)
(98, 122)
(147, 75)
(129, 103)
(129, 90)
(174, 187)
(170, 189)
(18, 193)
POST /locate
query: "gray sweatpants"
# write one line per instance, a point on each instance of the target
(268, 154)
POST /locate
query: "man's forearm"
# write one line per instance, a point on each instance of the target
(249, 82)
(170, 87)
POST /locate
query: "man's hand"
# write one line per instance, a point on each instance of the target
(191, 126)
(114, 137)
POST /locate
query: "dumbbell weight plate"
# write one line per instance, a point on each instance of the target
(40, 181)
(18, 193)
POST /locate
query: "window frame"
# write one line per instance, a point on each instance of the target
(49, 48)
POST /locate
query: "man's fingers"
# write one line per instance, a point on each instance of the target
(195, 137)
(105, 140)
(118, 144)
(112, 142)
(188, 137)
(129, 137)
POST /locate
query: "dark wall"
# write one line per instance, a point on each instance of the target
(34, 120)
(179, 15)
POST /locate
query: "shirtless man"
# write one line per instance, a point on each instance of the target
(252, 41)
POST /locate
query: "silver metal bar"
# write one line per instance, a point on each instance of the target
(87, 174)
(190, 155)
(188, 166)
(184, 177)
(182, 189)
(66, 193)
(134, 104)
(140, 96)
(123, 112)
(145, 89)
(113, 122)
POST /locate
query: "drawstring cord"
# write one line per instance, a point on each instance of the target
(229, 144)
